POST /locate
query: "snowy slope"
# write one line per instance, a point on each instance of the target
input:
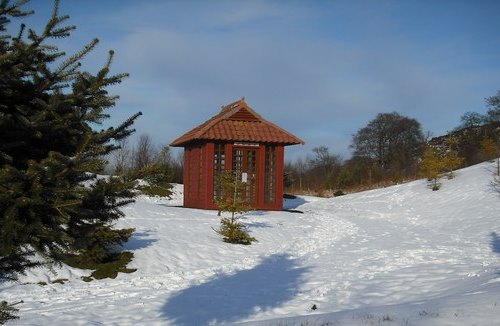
(402, 255)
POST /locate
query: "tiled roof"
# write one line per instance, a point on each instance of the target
(238, 122)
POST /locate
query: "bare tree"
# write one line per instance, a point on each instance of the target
(391, 139)
(144, 152)
(493, 104)
(323, 159)
(178, 168)
(300, 167)
(121, 157)
(471, 120)
(324, 167)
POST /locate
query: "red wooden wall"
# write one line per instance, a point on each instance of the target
(198, 175)
(199, 169)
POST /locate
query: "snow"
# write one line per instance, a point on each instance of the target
(403, 255)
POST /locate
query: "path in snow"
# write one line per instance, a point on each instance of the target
(410, 244)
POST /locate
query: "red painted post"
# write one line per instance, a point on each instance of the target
(280, 166)
(261, 171)
(186, 175)
(229, 156)
(209, 175)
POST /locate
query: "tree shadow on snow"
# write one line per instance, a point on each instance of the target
(495, 185)
(254, 213)
(292, 203)
(495, 242)
(257, 225)
(252, 224)
(231, 297)
(139, 240)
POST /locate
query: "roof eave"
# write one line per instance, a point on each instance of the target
(194, 141)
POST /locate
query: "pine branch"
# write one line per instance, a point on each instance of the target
(74, 59)
(121, 131)
(22, 28)
(15, 263)
(14, 10)
(62, 31)
(8, 311)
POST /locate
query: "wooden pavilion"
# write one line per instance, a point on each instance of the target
(240, 140)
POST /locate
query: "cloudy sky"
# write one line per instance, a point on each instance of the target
(320, 69)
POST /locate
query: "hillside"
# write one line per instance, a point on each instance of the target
(403, 255)
(469, 140)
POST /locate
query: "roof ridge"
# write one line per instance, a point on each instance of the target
(252, 111)
(227, 111)
(232, 106)
(262, 119)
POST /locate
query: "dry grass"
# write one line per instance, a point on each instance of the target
(328, 193)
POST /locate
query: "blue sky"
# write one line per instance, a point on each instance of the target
(320, 69)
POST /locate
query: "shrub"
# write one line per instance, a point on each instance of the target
(338, 193)
(230, 189)
(233, 231)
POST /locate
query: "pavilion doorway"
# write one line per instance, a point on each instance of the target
(245, 166)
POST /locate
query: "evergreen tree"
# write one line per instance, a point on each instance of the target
(491, 151)
(449, 155)
(231, 199)
(51, 201)
(431, 166)
(438, 160)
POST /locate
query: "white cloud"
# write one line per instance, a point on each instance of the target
(186, 59)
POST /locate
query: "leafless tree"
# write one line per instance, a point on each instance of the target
(144, 152)
(121, 157)
(493, 104)
(177, 165)
(301, 167)
(394, 141)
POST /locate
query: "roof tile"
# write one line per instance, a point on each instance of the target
(238, 122)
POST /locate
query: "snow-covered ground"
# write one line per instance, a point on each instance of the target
(403, 255)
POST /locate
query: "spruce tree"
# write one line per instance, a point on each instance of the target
(450, 158)
(439, 160)
(51, 201)
(491, 150)
(231, 199)
(431, 166)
